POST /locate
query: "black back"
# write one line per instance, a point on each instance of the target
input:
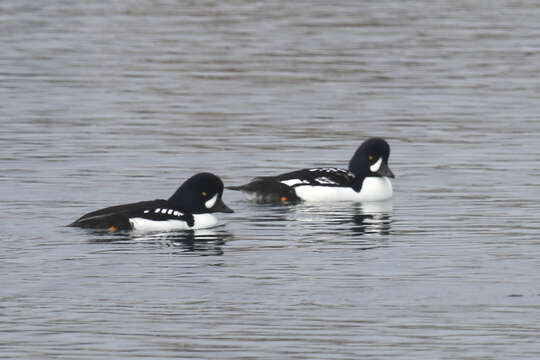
(117, 217)
(317, 177)
(190, 198)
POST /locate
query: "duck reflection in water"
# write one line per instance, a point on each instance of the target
(373, 218)
(370, 218)
(205, 241)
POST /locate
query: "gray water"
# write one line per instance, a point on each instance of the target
(103, 103)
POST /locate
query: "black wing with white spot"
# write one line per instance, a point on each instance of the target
(118, 216)
(282, 187)
(166, 212)
(316, 177)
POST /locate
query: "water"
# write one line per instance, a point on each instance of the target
(105, 103)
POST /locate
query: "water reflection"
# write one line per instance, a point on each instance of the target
(204, 242)
(261, 213)
(359, 218)
(373, 218)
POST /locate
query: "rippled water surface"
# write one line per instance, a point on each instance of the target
(103, 103)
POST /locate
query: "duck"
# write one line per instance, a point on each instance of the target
(366, 179)
(191, 207)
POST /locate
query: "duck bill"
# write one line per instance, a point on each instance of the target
(384, 170)
(221, 207)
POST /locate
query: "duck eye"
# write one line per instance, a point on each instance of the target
(370, 157)
(204, 193)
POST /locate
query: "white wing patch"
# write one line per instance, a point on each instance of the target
(166, 211)
(330, 170)
(333, 171)
(293, 182)
(325, 181)
(321, 180)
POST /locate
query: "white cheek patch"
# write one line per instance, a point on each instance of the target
(211, 202)
(375, 167)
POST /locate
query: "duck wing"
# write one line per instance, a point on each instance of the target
(117, 216)
(314, 177)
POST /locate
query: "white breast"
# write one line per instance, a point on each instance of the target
(202, 221)
(205, 221)
(373, 189)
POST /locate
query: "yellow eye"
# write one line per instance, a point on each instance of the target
(204, 193)
(370, 157)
